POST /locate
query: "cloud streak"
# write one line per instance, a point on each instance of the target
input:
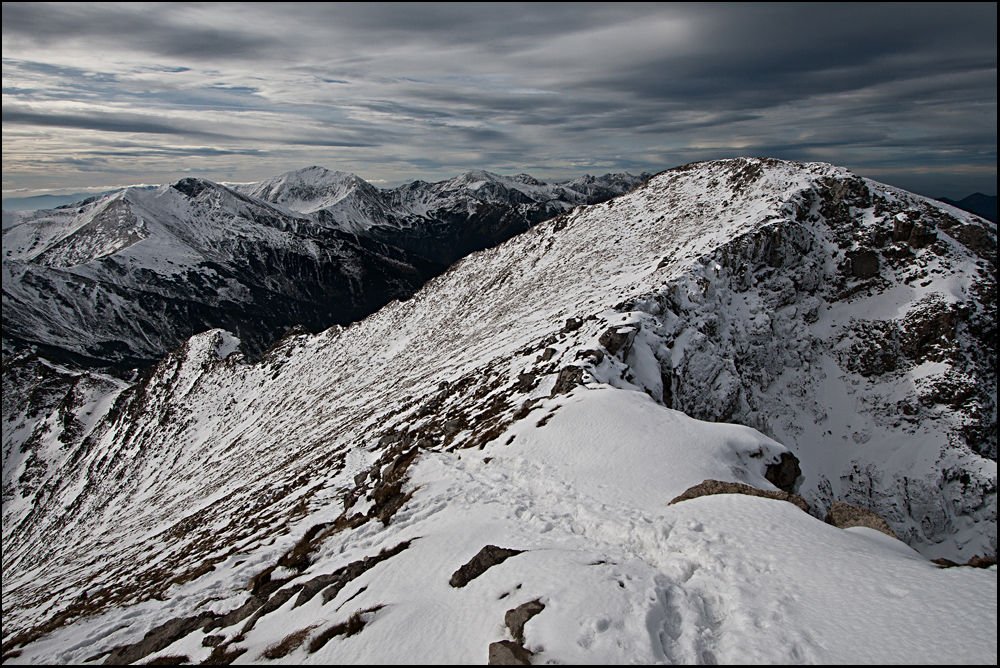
(395, 92)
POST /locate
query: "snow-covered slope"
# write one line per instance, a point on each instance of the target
(127, 277)
(526, 399)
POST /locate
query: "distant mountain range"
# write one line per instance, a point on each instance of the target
(124, 278)
(982, 205)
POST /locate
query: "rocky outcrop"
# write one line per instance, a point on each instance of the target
(712, 487)
(844, 516)
(974, 562)
(568, 378)
(486, 558)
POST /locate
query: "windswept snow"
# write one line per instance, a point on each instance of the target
(624, 577)
(526, 399)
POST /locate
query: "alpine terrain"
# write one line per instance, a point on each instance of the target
(745, 412)
(125, 278)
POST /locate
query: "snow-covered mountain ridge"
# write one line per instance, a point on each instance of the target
(127, 277)
(526, 398)
(442, 221)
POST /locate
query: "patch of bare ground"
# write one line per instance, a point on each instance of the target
(288, 644)
(354, 625)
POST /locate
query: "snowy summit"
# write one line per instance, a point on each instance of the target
(613, 438)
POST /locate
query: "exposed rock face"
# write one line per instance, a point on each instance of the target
(843, 516)
(486, 558)
(864, 263)
(710, 487)
(156, 639)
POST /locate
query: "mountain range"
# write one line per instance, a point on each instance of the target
(125, 278)
(982, 205)
(745, 411)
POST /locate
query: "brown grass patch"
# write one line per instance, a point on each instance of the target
(167, 660)
(221, 656)
(354, 625)
(288, 644)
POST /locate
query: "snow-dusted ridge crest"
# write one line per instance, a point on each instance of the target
(530, 397)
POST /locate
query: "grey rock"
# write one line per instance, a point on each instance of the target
(508, 653)
(844, 516)
(568, 378)
(519, 616)
(712, 487)
(486, 558)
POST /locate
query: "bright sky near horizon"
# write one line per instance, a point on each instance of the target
(97, 96)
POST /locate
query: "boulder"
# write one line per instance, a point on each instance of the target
(617, 339)
(844, 516)
(508, 653)
(519, 616)
(784, 473)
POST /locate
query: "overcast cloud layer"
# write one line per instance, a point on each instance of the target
(97, 96)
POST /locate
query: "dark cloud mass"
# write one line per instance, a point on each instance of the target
(97, 95)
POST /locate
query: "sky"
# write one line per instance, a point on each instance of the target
(97, 96)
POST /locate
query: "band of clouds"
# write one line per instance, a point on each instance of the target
(401, 91)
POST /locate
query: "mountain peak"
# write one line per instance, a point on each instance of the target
(306, 190)
(542, 402)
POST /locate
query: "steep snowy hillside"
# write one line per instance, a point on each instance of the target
(128, 277)
(328, 502)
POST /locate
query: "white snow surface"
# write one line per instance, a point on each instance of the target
(213, 461)
(624, 577)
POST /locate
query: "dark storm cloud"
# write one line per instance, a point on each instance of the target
(163, 29)
(402, 90)
(105, 123)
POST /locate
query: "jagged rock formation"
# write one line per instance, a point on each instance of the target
(739, 291)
